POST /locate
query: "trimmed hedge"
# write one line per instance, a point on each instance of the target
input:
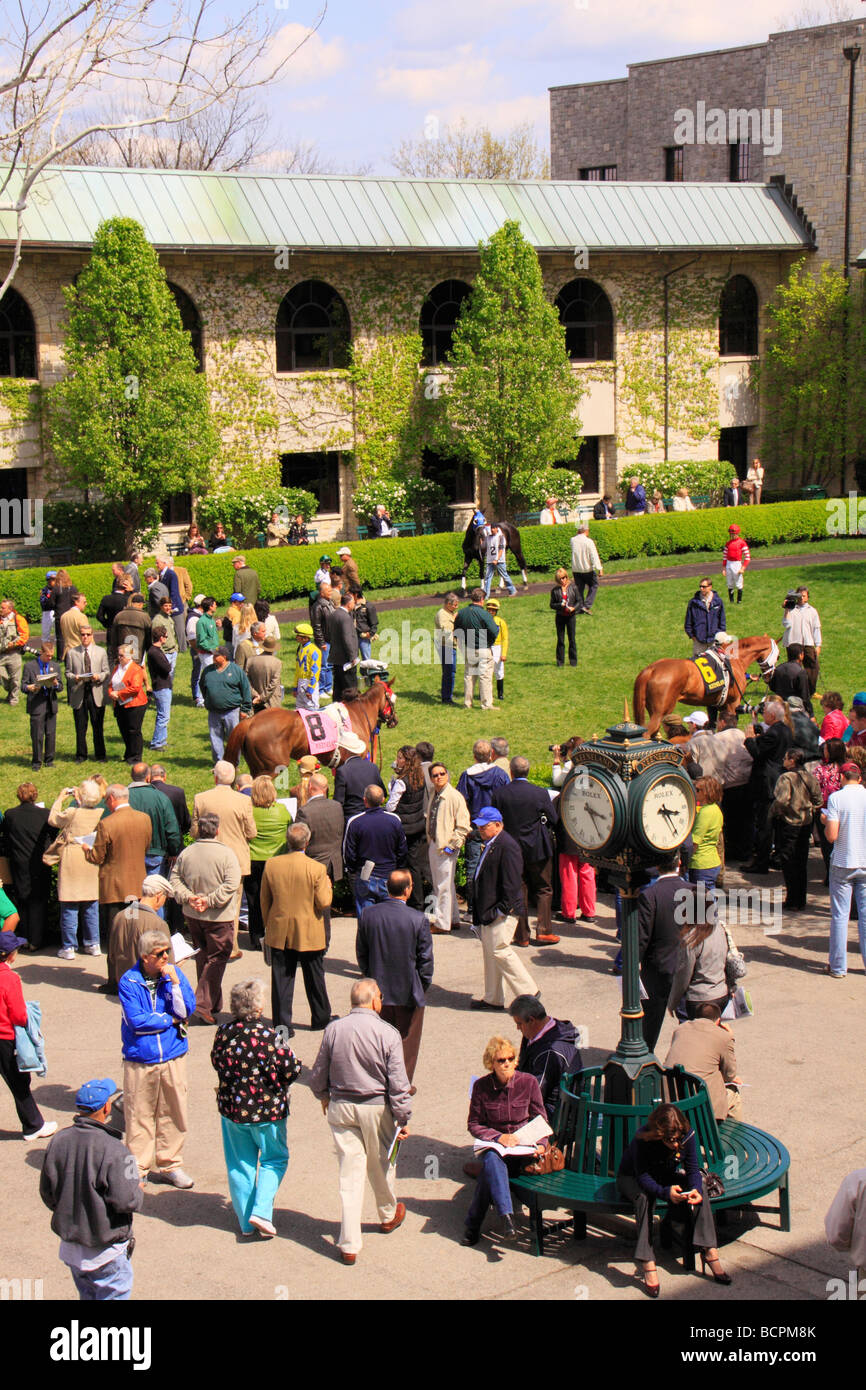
(286, 572)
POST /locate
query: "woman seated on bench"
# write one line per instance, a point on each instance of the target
(661, 1164)
(500, 1104)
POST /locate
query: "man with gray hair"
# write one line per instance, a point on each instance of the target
(586, 567)
(360, 1078)
(237, 826)
(294, 895)
(500, 757)
(205, 880)
(548, 1050)
(156, 1000)
(122, 840)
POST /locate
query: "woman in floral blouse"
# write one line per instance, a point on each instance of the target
(255, 1072)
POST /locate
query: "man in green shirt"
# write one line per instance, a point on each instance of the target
(165, 841)
(246, 581)
(207, 638)
(227, 696)
(164, 622)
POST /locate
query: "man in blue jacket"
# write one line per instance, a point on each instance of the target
(157, 1001)
(477, 785)
(90, 1182)
(705, 616)
(395, 948)
(373, 838)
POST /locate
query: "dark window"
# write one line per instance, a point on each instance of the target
(316, 473)
(177, 509)
(599, 173)
(312, 329)
(674, 164)
(17, 337)
(738, 319)
(586, 464)
(438, 316)
(738, 155)
(734, 449)
(584, 310)
(19, 518)
(189, 318)
(454, 476)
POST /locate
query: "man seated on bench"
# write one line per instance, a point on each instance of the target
(549, 1048)
(705, 1047)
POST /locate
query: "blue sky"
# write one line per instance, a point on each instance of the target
(377, 68)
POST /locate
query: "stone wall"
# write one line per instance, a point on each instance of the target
(588, 127)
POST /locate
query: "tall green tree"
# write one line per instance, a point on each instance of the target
(131, 416)
(510, 402)
(812, 379)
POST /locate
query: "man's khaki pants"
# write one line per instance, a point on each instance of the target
(154, 1109)
(504, 975)
(11, 665)
(362, 1137)
(479, 665)
(442, 867)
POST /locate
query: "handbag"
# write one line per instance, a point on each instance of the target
(735, 965)
(551, 1161)
(713, 1185)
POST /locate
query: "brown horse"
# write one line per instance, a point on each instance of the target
(270, 740)
(664, 684)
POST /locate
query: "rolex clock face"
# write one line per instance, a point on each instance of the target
(591, 809)
(665, 810)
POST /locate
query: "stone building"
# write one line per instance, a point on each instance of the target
(660, 288)
(785, 105)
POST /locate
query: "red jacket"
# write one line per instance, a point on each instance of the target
(736, 550)
(13, 1010)
(131, 692)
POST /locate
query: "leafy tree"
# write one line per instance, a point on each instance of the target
(812, 379)
(510, 401)
(472, 152)
(131, 417)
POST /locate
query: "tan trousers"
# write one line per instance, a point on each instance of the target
(735, 1103)
(154, 1108)
(442, 867)
(362, 1137)
(479, 665)
(504, 975)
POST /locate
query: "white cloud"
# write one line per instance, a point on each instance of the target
(438, 26)
(431, 85)
(314, 61)
(654, 28)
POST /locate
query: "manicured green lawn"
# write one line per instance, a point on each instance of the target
(631, 625)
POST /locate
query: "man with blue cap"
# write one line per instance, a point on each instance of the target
(46, 603)
(90, 1182)
(497, 900)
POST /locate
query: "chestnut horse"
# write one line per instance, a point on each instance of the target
(270, 740)
(663, 684)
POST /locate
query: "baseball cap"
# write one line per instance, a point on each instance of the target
(237, 598)
(344, 550)
(794, 702)
(51, 574)
(9, 942)
(492, 603)
(94, 1094)
(859, 698)
(723, 638)
(697, 716)
(304, 629)
(851, 768)
(734, 530)
(487, 815)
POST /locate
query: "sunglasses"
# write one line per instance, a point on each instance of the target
(159, 954)
(503, 1061)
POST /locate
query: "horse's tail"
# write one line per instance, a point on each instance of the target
(237, 738)
(639, 695)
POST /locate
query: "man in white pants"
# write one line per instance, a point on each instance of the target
(360, 1078)
(496, 903)
(447, 827)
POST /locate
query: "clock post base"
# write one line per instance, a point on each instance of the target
(633, 1080)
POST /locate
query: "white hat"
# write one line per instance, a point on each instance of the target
(723, 638)
(344, 550)
(352, 743)
(697, 716)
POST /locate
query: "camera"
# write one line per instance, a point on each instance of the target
(791, 599)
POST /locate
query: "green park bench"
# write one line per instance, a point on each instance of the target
(812, 492)
(404, 528)
(312, 537)
(593, 1135)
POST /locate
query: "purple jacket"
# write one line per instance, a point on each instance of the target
(496, 1109)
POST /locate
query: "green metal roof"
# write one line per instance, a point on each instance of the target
(256, 212)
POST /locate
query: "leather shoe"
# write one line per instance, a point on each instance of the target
(547, 940)
(235, 955)
(175, 1177)
(347, 1258)
(201, 1016)
(439, 931)
(396, 1220)
(483, 1004)
(507, 1230)
(470, 1236)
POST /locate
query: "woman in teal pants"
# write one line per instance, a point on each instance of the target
(255, 1072)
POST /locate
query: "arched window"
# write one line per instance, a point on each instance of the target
(312, 329)
(585, 312)
(189, 317)
(439, 314)
(17, 337)
(738, 319)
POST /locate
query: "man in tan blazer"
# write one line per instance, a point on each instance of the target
(294, 894)
(87, 677)
(122, 840)
(237, 825)
(705, 1047)
(73, 620)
